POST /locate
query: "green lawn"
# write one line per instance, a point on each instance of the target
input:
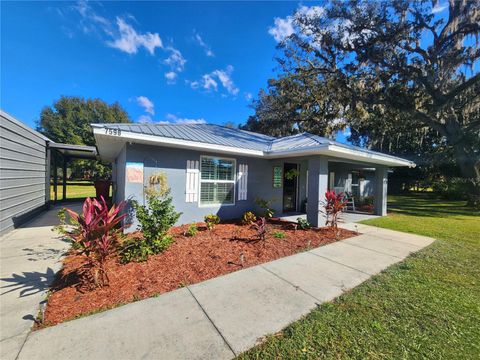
(427, 306)
(75, 190)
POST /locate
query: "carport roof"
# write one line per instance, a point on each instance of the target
(215, 138)
(75, 151)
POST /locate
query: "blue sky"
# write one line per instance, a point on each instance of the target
(161, 61)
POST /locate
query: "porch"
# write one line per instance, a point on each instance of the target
(347, 217)
(304, 182)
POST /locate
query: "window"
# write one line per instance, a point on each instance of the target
(217, 181)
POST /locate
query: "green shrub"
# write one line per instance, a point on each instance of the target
(453, 188)
(303, 224)
(367, 200)
(211, 220)
(248, 218)
(278, 234)
(192, 230)
(139, 249)
(265, 205)
(155, 219)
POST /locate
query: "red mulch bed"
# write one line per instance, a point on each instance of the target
(228, 247)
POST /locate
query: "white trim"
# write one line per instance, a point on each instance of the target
(234, 182)
(368, 156)
(328, 149)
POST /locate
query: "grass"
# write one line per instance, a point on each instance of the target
(427, 306)
(75, 190)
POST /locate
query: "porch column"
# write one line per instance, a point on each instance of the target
(317, 186)
(381, 182)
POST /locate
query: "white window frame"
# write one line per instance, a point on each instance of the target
(234, 182)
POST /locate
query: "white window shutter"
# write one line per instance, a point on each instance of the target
(242, 181)
(191, 189)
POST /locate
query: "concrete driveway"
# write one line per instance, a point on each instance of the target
(30, 257)
(222, 317)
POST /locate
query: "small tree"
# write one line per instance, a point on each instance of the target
(155, 218)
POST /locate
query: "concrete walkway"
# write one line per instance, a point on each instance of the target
(222, 317)
(30, 257)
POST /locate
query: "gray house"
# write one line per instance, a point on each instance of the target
(214, 169)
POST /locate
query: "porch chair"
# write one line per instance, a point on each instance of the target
(350, 202)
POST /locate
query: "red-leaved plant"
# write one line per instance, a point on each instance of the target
(261, 227)
(334, 205)
(95, 236)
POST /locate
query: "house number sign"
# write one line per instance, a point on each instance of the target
(114, 132)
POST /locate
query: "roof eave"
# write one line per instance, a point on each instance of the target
(343, 152)
(175, 143)
(325, 149)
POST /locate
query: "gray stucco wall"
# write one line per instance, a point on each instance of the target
(118, 176)
(173, 162)
(23, 168)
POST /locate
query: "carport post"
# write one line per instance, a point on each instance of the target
(64, 180)
(317, 186)
(55, 176)
(381, 185)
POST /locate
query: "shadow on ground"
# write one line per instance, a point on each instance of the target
(29, 283)
(428, 205)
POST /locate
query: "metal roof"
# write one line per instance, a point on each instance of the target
(229, 139)
(204, 133)
(75, 151)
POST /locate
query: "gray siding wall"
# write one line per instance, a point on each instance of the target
(23, 169)
(174, 161)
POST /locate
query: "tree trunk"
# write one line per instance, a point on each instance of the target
(469, 166)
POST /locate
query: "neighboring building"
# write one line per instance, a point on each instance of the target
(214, 169)
(25, 163)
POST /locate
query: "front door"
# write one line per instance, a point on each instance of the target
(290, 181)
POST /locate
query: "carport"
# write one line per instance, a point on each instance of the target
(27, 159)
(67, 153)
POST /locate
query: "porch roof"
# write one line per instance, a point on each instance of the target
(110, 139)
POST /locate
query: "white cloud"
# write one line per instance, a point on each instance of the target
(90, 20)
(129, 40)
(226, 80)
(144, 119)
(193, 84)
(282, 29)
(439, 8)
(171, 77)
(146, 103)
(206, 48)
(175, 60)
(211, 81)
(248, 96)
(172, 118)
